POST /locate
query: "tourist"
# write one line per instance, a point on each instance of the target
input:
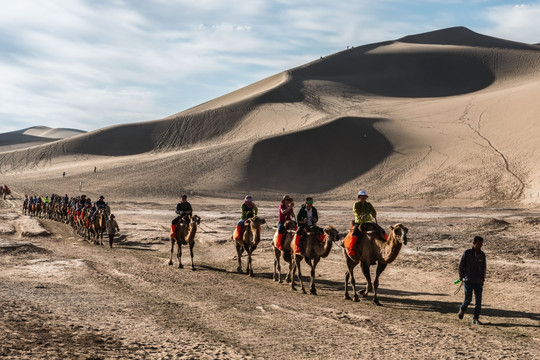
(472, 271)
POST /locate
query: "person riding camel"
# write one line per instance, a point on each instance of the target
(363, 212)
(249, 210)
(100, 204)
(307, 219)
(286, 212)
(183, 209)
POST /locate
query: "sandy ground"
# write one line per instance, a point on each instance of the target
(62, 297)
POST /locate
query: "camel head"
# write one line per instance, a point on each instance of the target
(194, 219)
(400, 232)
(332, 233)
(256, 221)
(289, 225)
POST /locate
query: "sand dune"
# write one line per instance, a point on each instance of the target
(449, 118)
(36, 135)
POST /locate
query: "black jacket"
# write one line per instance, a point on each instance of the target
(472, 266)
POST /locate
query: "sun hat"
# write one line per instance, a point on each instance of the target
(362, 193)
(248, 198)
(112, 216)
(287, 197)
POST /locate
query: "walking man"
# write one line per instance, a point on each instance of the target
(112, 227)
(472, 271)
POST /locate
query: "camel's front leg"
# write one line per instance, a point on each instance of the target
(290, 274)
(367, 275)
(239, 251)
(292, 268)
(101, 238)
(172, 250)
(250, 251)
(380, 269)
(350, 274)
(277, 266)
(179, 256)
(191, 245)
(312, 289)
(298, 260)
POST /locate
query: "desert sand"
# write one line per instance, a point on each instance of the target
(440, 128)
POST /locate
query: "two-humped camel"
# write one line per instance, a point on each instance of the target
(249, 241)
(285, 251)
(312, 250)
(372, 248)
(185, 235)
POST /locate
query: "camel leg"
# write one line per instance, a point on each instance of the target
(351, 264)
(101, 237)
(290, 274)
(249, 269)
(179, 256)
(239, 251)
(367, 275)
(298, 260)
(292, 269)
(312, 289)
(191, 245)
(380, 269)
(172, 250)
(277, 266)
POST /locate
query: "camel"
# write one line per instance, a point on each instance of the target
(284, 253)
(185, 235)
(312, 250)
(98, 226)
(372, 248)
(249, 241)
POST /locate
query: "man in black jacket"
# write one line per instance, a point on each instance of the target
(472, 271)
(307, 219)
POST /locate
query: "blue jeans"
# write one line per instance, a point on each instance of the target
(469, 288)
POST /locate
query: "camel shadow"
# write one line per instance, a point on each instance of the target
(136, 245)
(399, 299)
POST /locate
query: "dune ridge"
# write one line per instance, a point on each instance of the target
(447, 115)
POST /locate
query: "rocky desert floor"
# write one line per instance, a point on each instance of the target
(64, 298)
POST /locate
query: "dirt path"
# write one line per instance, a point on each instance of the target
(64, 298)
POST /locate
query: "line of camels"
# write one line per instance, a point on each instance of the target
(88, 227)
(372, 248)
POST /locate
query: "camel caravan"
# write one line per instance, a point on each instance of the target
(88, 219)
(297, 237)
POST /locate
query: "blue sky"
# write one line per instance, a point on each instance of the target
(88, 64)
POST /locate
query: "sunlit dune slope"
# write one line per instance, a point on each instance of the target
(448, 116)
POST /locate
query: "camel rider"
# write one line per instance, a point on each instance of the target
(183, 209)
(100, 204)
(363, 212)
(249, 210)
(307, 219)
(286, 212)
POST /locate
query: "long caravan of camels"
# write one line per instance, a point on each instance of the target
(373, 247)
(87, 219)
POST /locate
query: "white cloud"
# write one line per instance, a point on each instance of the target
(99, 62)
(515, 22)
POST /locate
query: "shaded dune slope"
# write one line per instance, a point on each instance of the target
(318, 159)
